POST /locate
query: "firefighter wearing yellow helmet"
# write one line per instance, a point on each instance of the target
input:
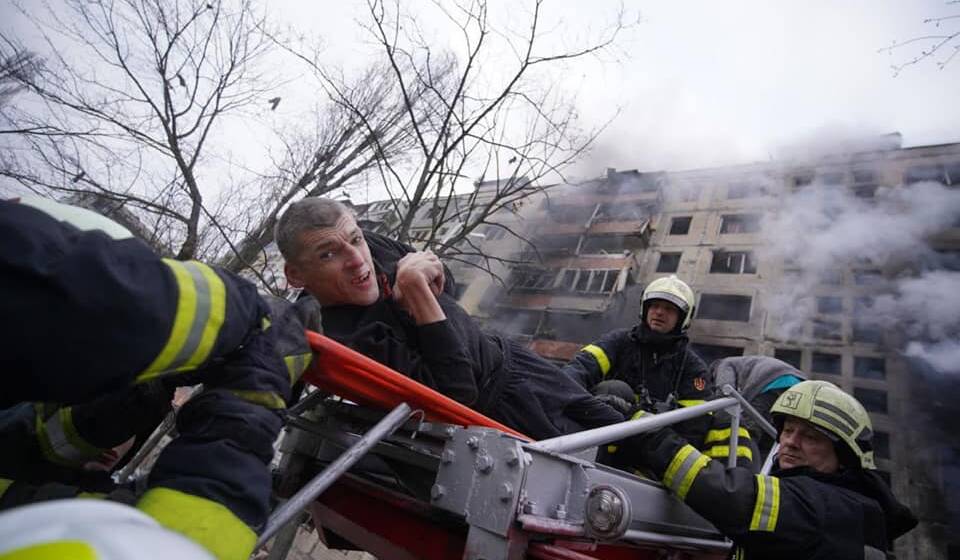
(822, 499)
(651, 367)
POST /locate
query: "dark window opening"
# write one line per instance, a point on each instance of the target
(620, 212)
(952, 173)
(867, 277)
(608, 244)
(881, 445)
(724, 307)
(825, 329)
(801, 180)
(866, 332)
(680, 225)
(829, 305)
(740, 223)
(869, 368)
(744, 190)
(832, 178)
(597, 281)
(831, 277)
(711, 352)
(733, 262)
(917, 173)
(533, 279)
(790, 356)
(874, 400)
(826, 363)
(669, 262)
(864, 177)
(947, 259)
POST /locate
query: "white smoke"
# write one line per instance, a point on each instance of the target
(823, 228)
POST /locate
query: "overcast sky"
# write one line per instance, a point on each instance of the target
(697, 82)
(702, 83)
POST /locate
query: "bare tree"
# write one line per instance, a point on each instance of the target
(943, 41)
(16, 64)
(131, 96)
(497, 111)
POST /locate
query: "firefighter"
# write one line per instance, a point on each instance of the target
(823, 500)
(94, 311)
(395, 304)
(654, 359)
(761, 380)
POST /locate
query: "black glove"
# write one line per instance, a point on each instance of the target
(618, 404)
(616, 394)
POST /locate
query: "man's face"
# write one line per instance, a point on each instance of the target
(334, 265)
(662, 316)
(803, 445)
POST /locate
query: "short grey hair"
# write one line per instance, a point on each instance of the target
(305, 215)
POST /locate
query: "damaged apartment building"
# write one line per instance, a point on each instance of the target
(588, 249)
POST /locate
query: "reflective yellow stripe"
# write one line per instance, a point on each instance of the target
(201, 310)
(766, 510)
(724, 435)
(4, 484)
(91, 495)
(612, 449)
(683, 470)
(723, 451)
(690, 402)
(602, 360)
(60, 441)
(266, 399)
(638, 414)
(60, 550)
(297, 364)
(206, 522)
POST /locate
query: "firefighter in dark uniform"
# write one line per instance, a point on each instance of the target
(91, 311)
(394, 304)
(822, 501)
(652, 368)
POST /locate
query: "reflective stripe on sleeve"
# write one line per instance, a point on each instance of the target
(602, 360)
(297, 364)
(266, 399)
(60, 441)
(201, 310)
(723, 451)
(208, 523)
(724, 435)
(56, 550)
(683, 470)
(766, 510)
(690, 402)
(4, 484)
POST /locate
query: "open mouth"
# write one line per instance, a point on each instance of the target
(362, 279)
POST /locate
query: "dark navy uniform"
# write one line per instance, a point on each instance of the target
(791, 514)
(87, 313)
(491, 374)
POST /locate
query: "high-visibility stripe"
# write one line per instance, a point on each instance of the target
(723, 451)
(724, 435)
(266, 399)
(833, 421)
(297, 364)
(683, 470)
(57, 550)
(836, 410)
(92, 495)
(602, 360)
(4, 484)
(690, 402)
(206, 522)
(201, 310)
(60, 441)
(766, 509)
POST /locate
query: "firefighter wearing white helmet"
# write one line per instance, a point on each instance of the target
(651, 367)
(822, 499)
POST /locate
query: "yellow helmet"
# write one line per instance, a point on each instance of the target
(826, 406)
(674, 290)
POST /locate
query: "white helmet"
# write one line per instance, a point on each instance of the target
(90, 529)
(674, 290)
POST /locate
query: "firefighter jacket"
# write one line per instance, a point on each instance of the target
(89, 314)
(791, 514)
(664, 373)
(456, 358)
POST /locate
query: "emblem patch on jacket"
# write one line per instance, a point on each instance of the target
(699, 383)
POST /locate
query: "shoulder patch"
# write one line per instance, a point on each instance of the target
(699, 383)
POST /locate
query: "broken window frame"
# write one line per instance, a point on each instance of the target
(667, 259)
(734, 224)
(680, 223)
(733, 262)
(710, 306)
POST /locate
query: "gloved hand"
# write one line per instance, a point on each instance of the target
(616, 394)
